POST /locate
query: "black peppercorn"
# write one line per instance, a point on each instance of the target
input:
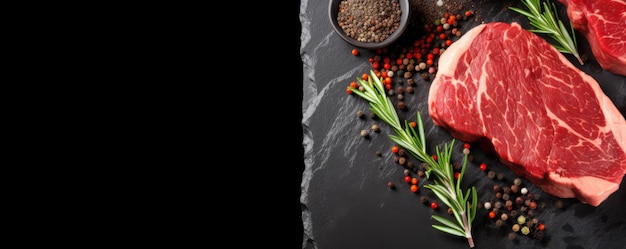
(410, 164)
(401, 105)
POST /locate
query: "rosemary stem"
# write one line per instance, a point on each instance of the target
(468, 230)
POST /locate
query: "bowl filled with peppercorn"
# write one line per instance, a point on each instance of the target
(369, 24)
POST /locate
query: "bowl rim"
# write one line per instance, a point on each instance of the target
(333, 10)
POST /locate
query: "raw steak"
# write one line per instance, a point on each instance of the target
(603, 23)
(509, 90)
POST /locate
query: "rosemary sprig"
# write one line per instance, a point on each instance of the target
(548, 23)
(440, 171)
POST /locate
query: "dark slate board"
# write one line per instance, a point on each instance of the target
(345, 199)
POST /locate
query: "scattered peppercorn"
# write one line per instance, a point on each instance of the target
(499, 222)
(525, 230)
(402, 105)
(500, 176)
(515, 227)
(375, 128)
(395, 149)
(364, 133)
(511, 236)
(407, 179)
(359, 114)
(434, 206)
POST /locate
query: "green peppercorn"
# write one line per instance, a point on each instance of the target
(521, 219)
(525, 230)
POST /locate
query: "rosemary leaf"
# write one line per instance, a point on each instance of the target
(440, 171)
(448, 230)
(449, 223)
(546, 22)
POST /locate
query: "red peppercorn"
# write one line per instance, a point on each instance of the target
(364, 76)
(413, 124)
(375, 65)
(407, 179)
(456, 175)
(468, 13)
(492, 214)
(414, 188)
(348, 90)
(434, 205)
(483, 166)
(414, 180)
(466, 146)
(353, 84)
(434, 157)
(387, 81)
(541, 226)
(395, 149)
(355, 52)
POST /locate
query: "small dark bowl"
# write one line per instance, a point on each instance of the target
(333, 10)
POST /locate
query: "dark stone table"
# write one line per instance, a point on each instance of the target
(346, 203)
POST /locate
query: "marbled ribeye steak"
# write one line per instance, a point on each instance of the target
(509, 90)
(603, 23)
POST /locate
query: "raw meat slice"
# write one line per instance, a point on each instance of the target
(509, 90)
(603, 23)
